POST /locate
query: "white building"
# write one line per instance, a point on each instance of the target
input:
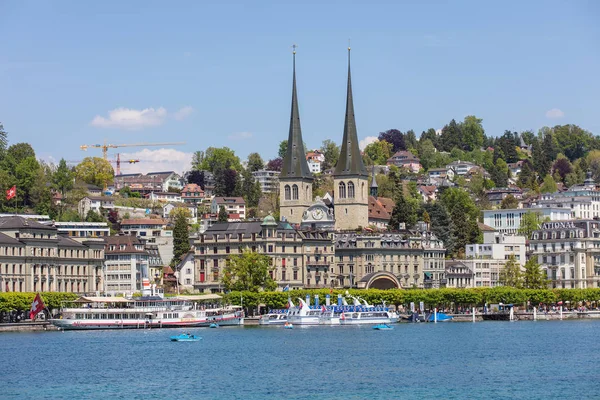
(569, 253)
(235, 207)
(165, 197)
(314, 166)
(77, 230)
(315, 160)
(459, 168)
(185, 273)
(268, 180)
(94, 203)
(145, 227)
(125, 264)
(582, 201)
(498, 246)
(509, 220)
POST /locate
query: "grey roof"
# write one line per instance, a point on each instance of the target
(350, 161)
(294, 163)
(5, 239)
(65, 241)
(16, 222)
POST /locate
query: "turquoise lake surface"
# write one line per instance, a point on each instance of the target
(483, 360)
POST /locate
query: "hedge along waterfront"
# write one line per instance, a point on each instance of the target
(431, 297)
(12, 301)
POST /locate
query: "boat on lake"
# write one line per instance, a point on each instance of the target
(364, 313)
(441, 317)
(185, 337)
(150, 312)
(273, 317)
(302, 314)
(383, 327)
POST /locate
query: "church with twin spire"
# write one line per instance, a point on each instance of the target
(350, 178)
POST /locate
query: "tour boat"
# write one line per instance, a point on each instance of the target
(303, 314)
(364, 313)
(149, 312)
(185, 337)
(274, 317)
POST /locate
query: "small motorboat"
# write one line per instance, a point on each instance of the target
(214, 325)
(383, 327)
(288, 325)
(185, 337)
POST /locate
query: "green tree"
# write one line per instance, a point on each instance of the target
(549, 185)
(94, 170)
(534, 277)
(27, 172)
(181, 239)
(3, 141)
(451, 136)
(248, 271)
(463, 215)
(511, 274)
(63, 177)
(405, 211)
(250, 189)
(410, 139)
(331, 152)
(283, 145)
(223, 216)
(527, 175)
(93, 216)
(530, 221)
(220, 158)
(379, 151)
(197, 160)
(426, 151)
(255, 162)
(509, 202)
(472, 133)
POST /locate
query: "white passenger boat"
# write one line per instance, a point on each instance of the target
(145, 313)
(273, 317)
(364, 313)
(303, 314)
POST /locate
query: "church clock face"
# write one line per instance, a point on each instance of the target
(317, 214)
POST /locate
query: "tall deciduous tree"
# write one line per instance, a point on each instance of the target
(94, 170)
(255, 162)
(379, 151)
(223, 215)
(472, 133)
(440, 221)
(331, 152)
(63, 177)
(549, 185)
(395, 138)
(530, 221)
(451, 136)
(197, 160)
(463, 214)
(248, 271)
(227, 182)
(426, 151)
(181, 240)
(220, 158)
(275, 164)
(283, 145)
(511, 274)
(405, 211)
(509, 202)
(250, 189)
(534, 277)
(561, 168)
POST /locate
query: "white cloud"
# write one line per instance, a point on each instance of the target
(554, 113)
(183, 113)
(367, 141)
(127, 118)
(156, 160)
(240, 136)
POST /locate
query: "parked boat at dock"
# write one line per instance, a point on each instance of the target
(149, 312)
(273, 317)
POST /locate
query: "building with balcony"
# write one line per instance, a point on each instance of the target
(192, 194)
(145, 227)
(498, 246)
(165, 197)
(235, 207)
(126, 264)
(405, 159)
(35, 258)
(94, 203)
(299, 258)
(83, 230)
(268, 180)
(568, 252)
(459, 275)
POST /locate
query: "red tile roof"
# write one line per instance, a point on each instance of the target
(380, 208)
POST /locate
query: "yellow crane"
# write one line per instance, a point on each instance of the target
(107, 146)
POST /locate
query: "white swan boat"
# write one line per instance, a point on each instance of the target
(302, 314)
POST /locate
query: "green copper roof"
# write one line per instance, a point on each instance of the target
(350, 161)
(294, 163)
(269, 220)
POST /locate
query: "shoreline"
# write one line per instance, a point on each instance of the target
(253, 321)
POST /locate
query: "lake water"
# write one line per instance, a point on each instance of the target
(493, 360)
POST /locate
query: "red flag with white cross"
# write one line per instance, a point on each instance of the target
(12, 192)
(37, 306)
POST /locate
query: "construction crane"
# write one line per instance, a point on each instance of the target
(107, 146)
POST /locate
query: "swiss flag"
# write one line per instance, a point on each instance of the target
(37, 306)
(12, 192)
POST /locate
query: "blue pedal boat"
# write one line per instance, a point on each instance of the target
(214, 325)
(383, 327)
(185, 337)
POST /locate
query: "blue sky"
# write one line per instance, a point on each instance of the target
(219, 73)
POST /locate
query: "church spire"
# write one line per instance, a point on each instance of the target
(374, 188)
(294, 163)
(350, 160)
